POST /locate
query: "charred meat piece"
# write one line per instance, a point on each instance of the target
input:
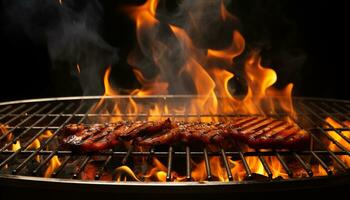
(256, 132)
(105, 139)
(181, 131)
(141, 128)
(79, 135)
(98, 137)
(190, 132)
(263, 132)
(74, 128)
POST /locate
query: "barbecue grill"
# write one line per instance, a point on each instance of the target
(27, 120)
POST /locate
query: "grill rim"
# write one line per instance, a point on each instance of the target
(166, 187)
(4, 177)
(69, 98)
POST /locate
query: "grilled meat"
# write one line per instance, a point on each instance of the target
(256, 132)
(186, 132)
(271, 133)
(141, 128)
(104, 136)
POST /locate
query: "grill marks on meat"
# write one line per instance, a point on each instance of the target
(104, 136)
(81, 134)
(271, 133)
(256, 132)
(141, 128)
(105, 139)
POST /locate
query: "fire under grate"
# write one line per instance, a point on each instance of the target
(29, 152)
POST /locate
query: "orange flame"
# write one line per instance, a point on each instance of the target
(9, 137)
(159, 172)
(16, 146)
(210, 71)
(225, 14)
(227, 55)
(53, 165)
(318, 170)
(36, 144)
(339, 139)
(109, 91)
(259, 80)
(210, 81)
(125, 170)
(78, 68)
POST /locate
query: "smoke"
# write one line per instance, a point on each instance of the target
(71, 32)
(272, 27)
(204, 23)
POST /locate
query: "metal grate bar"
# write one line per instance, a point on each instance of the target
(284, 165)
(20, 166)
(335, 110)
(81, 167)
(100, 172)
(335, 119)
(61, 167)
(170, 163)
(144, 115)
(265, 165)
(246, 166)
(342, 164)
(5, 109)
(35, 171)
(126, 157)
(12, 111)
(323, 164)
(188, 164)
(227, 167)
(341, 109)
(26, 131)
(150, 155)
(28, 143)
(177, 153)
(23, 133)
(303, 164)
(4, 135)
(207, 164)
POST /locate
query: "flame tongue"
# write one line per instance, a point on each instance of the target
(182, 65)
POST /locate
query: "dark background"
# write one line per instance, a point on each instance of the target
(314, 32)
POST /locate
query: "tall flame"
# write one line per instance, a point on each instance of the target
(205, 72)
(209, 70)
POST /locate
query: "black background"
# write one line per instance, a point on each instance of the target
(320, 34)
